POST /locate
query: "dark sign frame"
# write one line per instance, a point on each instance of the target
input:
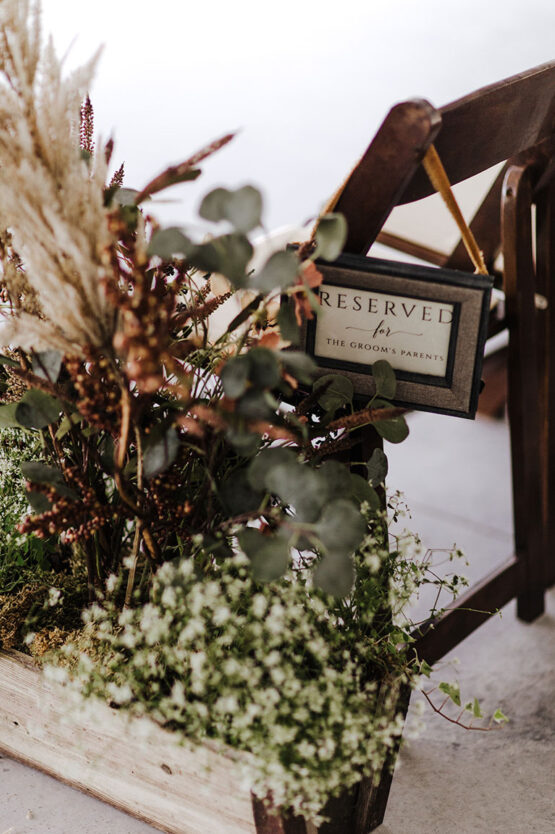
(453, 391)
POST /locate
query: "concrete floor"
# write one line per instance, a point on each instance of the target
(456, 477)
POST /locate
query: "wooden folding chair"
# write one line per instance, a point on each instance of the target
(512, 121)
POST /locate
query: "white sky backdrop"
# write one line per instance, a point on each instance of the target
(306, 82)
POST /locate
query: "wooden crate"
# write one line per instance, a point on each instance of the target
(108, 755)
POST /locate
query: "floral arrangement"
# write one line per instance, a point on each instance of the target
(182, 466)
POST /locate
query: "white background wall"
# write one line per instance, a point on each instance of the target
(306, 82)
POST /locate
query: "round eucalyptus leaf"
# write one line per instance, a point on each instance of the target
(395, 429)
(38, 502)
(160, 454)
(377, 468)
(300, 486)
(338, 391)
(245, 443)
(242, 208)
(385, 379)
(331, 235)
(212, 206)
(126, 196)
(335, 574)
(299, 365)
(170, 242)
(264, 371)
(255, 405)
(337, 476)
(41, 473)
(279, 272)
(264, 462)
(237, 495)
(235, 376)
(37, 410)
(234, 252)
(269, 555)
(362, 491)
(7, 416)
(341, 527)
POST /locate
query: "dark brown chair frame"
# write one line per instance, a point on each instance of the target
(512, 121)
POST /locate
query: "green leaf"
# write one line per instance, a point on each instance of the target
(47, 364)
(499, 717)
(256, 405)
(452, 690)
(169, 243)
(331, 235)
(6, 360)
(126, 196)
(235, 376)
(7, 416)
(245, 443)
(362, 491)
(287, 323)
(228, 254)
(160, 454)
(394, 429)
(476, 711)
(341, 527)
(377, 468)
(242, 208)
(337, 476)
(38, 502)
(40, 473)
(335, 574)
(264, 462)
(269, 556)
(425, 669)
(37, 410)
(385, 379)
(264, 369)
(300, 486)
(339, 391)
(279, 272)
(299, 365)
(66, 424)
(237, 495)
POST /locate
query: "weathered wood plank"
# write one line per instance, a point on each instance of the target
(130, 763)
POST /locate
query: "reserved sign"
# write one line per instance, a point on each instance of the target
(429, 324)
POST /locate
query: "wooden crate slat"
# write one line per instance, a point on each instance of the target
(179, 790)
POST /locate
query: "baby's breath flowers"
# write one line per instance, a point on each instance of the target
(308, 686)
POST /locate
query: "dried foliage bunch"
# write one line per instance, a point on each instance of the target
(241, 580)
(154, 432)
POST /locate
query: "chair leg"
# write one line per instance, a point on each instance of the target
(545, 268)
(523, 390)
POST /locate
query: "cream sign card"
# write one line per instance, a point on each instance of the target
(362, 326)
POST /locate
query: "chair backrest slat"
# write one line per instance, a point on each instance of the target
(471, 135)
(492, 125)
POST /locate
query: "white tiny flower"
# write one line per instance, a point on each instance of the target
(54, 596)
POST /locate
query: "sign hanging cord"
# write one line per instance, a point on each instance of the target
(440, 181)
